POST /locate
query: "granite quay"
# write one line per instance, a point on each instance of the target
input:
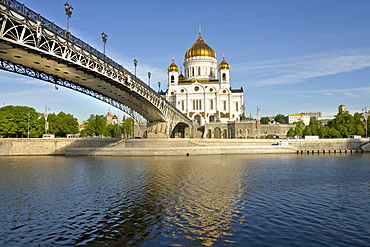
(177, 147)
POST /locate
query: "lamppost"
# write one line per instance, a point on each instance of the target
(135, 64)
(366, 115)
(104, 38)
(46, 119)
(69, 10)
(28, 125)
(159, 86)
(149, 74)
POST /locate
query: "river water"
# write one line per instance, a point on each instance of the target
(251, 200)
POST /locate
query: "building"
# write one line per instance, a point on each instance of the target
(342, 108)
(110, 118)
(299, 117)
(203, 92)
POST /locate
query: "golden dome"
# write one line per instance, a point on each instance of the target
(223, 65)
(200, 48)
(173, 67)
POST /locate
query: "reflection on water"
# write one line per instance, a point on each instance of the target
(272, 200)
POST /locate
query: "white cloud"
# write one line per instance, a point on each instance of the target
(296, 70)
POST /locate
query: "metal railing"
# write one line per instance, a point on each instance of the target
(50, 26)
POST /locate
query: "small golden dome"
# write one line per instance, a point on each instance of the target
(223, 65)
(173, 67)
(200, 48)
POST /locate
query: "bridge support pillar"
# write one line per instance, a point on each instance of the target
(157, 130)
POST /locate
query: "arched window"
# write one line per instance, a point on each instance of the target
(209, 134)
(172, 79)
(224, 134)
(197, 118)
(199, 71)
(224, 76)
(217, 133)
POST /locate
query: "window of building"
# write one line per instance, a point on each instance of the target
(236, 106)
(225, 105)
(211, 104)
(183, 105)
(172, 79)
(224, 76)
(197, 104)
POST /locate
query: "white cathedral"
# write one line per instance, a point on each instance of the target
(204, 93)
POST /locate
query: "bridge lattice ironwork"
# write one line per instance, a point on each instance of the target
(23, 29)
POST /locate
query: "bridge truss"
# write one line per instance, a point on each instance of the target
(33, 46)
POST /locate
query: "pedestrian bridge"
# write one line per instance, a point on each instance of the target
(34, 46)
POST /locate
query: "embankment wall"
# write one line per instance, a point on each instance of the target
(192, 146)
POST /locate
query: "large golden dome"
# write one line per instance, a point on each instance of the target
(200, 48)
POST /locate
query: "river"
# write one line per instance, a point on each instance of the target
(250, 200)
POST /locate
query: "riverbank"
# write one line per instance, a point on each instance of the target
(167, 147)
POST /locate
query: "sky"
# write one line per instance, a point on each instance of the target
(290, 56)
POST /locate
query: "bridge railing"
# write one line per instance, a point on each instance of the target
(30, 14)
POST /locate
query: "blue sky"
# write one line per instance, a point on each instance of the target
(289, 56)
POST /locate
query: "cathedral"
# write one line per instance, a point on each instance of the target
(203, 91)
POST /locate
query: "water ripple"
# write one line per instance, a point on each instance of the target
(185, 201)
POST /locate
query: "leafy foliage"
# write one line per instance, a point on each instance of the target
(14, 122)
(62, 124)
(343, 125)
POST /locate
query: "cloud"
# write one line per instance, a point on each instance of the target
(298, 69)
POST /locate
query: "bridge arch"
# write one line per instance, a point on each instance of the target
(33, 46)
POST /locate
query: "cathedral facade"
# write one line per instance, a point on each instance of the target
(203, 92)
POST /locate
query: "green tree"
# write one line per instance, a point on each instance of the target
(299, 128)
(111, 130)
(62, 124)
(14, 122)
(95, 125)
(280, 118)
(291, 132)
(126, 126)
(264, 120)
(307, 131)
(315, 126)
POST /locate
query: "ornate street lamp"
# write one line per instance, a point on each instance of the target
(104, 38)
(149, 74)
(68, 10)
(135, 64)
(366, 115)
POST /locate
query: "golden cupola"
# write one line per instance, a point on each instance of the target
(223, 65)
(173, 67)
(200, 48)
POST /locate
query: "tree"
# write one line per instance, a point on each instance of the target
(62, 124)
(111, 130)
(14, 122)
(290, 133)
(126, 126)
(95, 125)
(307, 131)
(264, 120)
(280, 118)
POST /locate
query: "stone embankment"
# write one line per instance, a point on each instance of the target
(165, 147)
